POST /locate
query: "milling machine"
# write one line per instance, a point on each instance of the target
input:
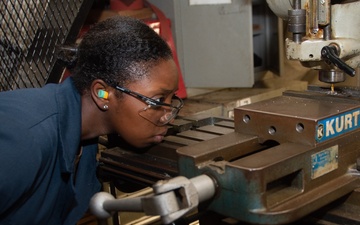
(324, 35)
(291, 158)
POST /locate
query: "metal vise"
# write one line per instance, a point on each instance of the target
(288, 157)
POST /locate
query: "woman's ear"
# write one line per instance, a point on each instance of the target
(100, 94)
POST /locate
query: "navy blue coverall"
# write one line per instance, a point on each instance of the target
(40, 131)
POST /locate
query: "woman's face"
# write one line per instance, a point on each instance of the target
(161, 83)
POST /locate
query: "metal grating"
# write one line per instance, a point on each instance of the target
(30, 31)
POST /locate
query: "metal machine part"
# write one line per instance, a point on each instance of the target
(310, 163)
(330, 54)
(317, 28)
(297, 22)
(171, 200)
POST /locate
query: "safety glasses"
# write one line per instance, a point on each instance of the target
(159, 113)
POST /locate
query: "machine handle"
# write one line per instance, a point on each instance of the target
(171, 199)
(331, 53)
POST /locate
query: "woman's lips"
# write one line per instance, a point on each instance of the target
(159, 138)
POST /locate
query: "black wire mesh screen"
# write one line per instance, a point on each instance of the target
(30, 33)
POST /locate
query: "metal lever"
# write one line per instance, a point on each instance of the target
(331, 53)
(171, 199)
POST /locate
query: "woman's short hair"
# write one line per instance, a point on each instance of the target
(118, 50)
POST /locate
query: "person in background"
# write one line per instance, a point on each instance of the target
(123, 81)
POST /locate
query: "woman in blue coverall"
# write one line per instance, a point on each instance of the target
(124, 82)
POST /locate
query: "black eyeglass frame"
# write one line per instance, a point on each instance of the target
(150, 101)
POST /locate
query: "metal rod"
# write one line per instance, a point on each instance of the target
(327, 32)
(124, 204)
(297, 4)
(313, 17)
(205, 186)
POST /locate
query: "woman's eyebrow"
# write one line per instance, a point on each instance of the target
(168, 91)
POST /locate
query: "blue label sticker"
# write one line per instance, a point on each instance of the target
(324, 161)
(337, 125)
